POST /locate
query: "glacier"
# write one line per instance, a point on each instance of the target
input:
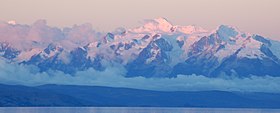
(158, 49)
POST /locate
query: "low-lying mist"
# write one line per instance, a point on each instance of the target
(114, 76)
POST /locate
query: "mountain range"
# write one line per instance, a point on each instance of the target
(157, 49)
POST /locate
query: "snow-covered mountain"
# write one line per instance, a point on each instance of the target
(156, 49)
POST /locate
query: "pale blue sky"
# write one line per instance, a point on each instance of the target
(255, 16)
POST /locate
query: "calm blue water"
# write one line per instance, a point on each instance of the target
(129, 110)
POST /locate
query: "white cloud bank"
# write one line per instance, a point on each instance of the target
(39, 35)
(114, 77)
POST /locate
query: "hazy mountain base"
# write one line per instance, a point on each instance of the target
(115, 77)
(78, 96)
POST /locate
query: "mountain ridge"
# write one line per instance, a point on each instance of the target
(156, 49)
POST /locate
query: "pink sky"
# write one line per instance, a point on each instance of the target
(254, 16)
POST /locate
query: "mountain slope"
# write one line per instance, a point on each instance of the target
(156, 49)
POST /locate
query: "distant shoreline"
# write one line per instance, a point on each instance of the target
(92, 96)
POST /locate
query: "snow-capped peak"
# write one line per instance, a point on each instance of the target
(162, 21)
(227, 33)
(228, 29)
(154, 25)
(162, 25)
(190, 29)
(12, 22)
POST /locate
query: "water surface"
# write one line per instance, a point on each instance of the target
(130, 110)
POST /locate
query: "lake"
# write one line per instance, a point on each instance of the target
(130, 110)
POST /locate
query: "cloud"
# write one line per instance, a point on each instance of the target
(114, 77)
(39, 35)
